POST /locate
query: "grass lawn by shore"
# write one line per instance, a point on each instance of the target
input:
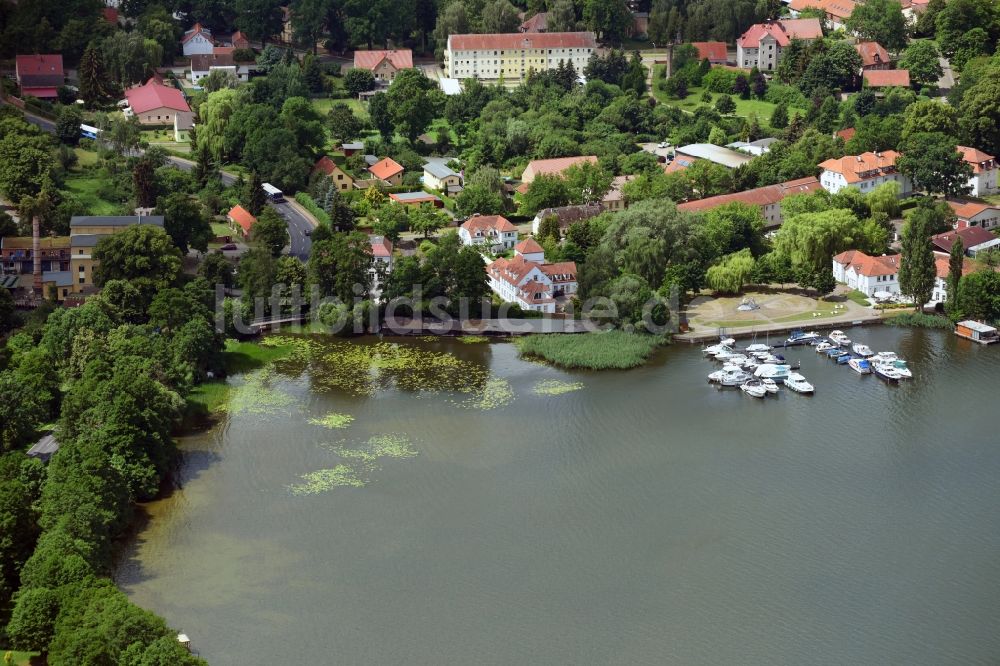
(611, 350)
(858, 297)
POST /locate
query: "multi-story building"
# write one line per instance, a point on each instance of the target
(510, 56)
(984, 171)
(864, 172)
(494, 231)
(39, 75)
(154, 103)
(768, 199)
(761, 45)
(530, 282)
(384, 65)
(85, 232)
(197, 40)
(869, 275)
(17, 254)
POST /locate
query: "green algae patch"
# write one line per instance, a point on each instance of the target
(472, 339)
(324, 480)
(333, 420)
(556, 387)
(495, 393)
(256, 396)
(379, 446)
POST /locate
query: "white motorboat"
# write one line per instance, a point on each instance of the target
(737, 360)
(757, 347)
(886, 372)
(719, 374)
(838, 338)
(774, 371)
(712, 350)
(886, 356)
(798, 337)
(903, 369)
(729, 342)
(754, 389)
(798, 383)
(860, 366)
(725, 353)
(824, 347)
(862, 350)
(769, 385)
(736, 378)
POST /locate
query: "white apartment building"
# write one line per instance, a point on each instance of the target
(494, 231)
(984, 171)
(530, 282)
(761, 45)
(864, 172)
(868, 275)
(511, 56)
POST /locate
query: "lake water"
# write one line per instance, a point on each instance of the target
(646, 517)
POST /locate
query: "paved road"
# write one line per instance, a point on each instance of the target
(947, 80)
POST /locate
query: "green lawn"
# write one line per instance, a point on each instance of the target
(20, 658)
(744, 107)
(85, 157)
(84, 186)
(323, 104)
(858, 297)
(222, 229)
(157, 135)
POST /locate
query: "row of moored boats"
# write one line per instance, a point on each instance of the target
(756, 370)
(885, 365)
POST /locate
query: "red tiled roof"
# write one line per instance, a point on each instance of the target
(866, 265)
(851, 166)
(380, 246)
(567, 269)
(399, 58)
(678, 164)
(977, 158)
(326, 165)
(239, 39)
(971, 236)
(761, 196)
(966, 210)
(555, 166)
(712, 51)
(529, 246)
(537, 23)
(518, 40)
(884, 78)
(155, 96)
(385, 168)
(39, 71)
(782, 32)
(196, 29)
(498, 223)
(839, 9)
(617, 183)
(942, 265)
(847, 133)
(241, 216)
(872, 53)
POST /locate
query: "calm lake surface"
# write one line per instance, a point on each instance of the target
(646, 517)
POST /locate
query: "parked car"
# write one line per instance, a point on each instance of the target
(228, 246)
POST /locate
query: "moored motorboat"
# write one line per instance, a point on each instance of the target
(838, 338)
(860, 366)
(799, 337)
(769, 385)
(729, 342)
(757, 347)
(862, 350)
(823, 347)
(887, 356)
(843, 359)
(735, 378)
(886, 372)
(773, 371)
(835, 352)
(903, 369)
(798, 383)
(753, 389)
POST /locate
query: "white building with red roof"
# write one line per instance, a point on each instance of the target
(768, 199)
(155, 103)
(384, 65)
(864, 172)
(837, 11)
(381, 248)
(761, 45)
(974, 214)
(241, 220)
(494, 231)
(197, 40)
(984, 171)
(39, 75)
(490, 57)
(886, 78)
(867, 274)
(528, 281)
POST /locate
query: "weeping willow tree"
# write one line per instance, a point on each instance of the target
(732, 273)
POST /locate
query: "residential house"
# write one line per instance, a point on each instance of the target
(287, 33)
(761, 45)
(381, 249)
(494, 231)
(351, 148)
(768, 199)
(417, 198)
(384, 65)
(886, 78)
(387, 170)
(716, 53)
(942, 268)
(529, 282)
(974, 240)
(873, 56)
(221, 59)
(510, 56)
(239, 40)
(614, 199)
(974, 214)
(340, 178)
(553, 167)
(837, 11)
(39, 76)
(869, 275)
(718, 154)
(155, 103)
(439, 176)
(864, 172)
(984, 171)
(241, 220)
(566, 215)
(197, 41)
(85, 232)
(755, 148)
(17, 254)
(537, 23)
(183, 124)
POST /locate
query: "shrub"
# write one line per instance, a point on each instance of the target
(719, 80)
(244, 55)
(310, 205)
(920, 320)
(778, 93)
(610, 350)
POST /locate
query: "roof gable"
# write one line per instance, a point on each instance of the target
(385, 168)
